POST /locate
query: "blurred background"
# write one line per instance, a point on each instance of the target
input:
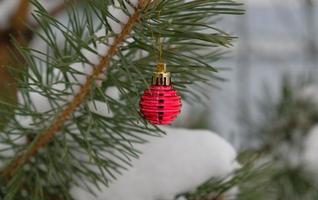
(276, 39)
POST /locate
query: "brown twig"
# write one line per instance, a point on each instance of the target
(18, 20)
(17, 27)
(61, 118)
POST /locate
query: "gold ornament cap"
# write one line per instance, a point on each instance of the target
(161, 77)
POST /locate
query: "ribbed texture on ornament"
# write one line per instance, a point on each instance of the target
(160, 104)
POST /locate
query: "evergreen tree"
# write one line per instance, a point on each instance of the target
(60, 127)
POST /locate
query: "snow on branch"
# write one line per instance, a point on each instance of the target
(175, 164)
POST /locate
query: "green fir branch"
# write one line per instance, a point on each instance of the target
(89, 146)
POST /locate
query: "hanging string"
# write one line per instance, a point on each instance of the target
(156, 39)
(159, 41)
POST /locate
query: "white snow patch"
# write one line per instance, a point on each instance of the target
(49, 5)
(130, 7)
(310, 153)
(116, 26)
(6, 147)
(174, 164)
(40, 103)
(90, 54)
(100, 33)
(134, 2)
(113, 92)
(309, 93)
(119, 14)
(79, 76)
(93, 54)
(100, 108)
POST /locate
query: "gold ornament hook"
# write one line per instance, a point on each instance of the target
(161, 76)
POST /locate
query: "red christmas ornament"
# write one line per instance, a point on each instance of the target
(160, 104)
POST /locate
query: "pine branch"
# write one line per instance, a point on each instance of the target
(47, 135)
(61, 7)
(286, 118)
(97, 140)
(57, 10)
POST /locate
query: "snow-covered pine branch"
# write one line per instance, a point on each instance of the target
(175, 164)
(63, 91)
(86, 84)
